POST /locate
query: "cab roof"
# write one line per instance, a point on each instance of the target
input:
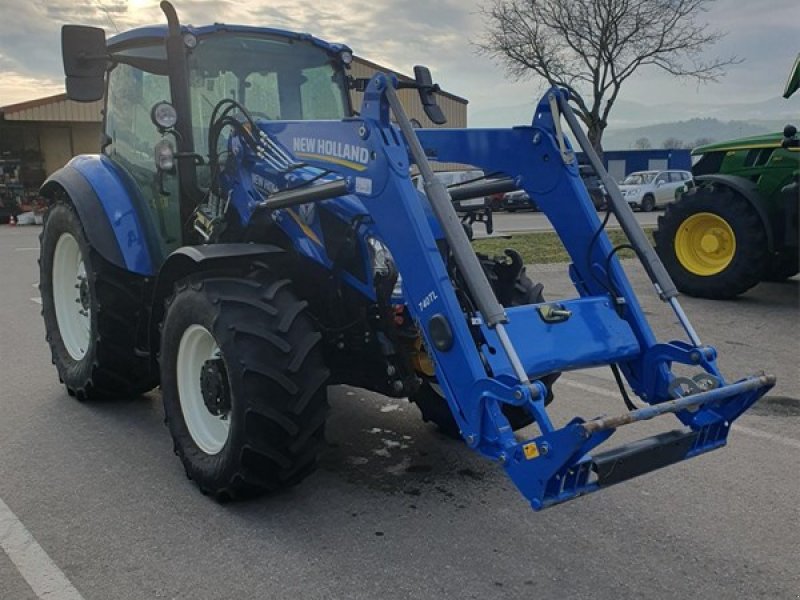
(159, 32)
(769, 140)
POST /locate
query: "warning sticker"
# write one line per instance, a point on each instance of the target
(363, 186)
(530, 450)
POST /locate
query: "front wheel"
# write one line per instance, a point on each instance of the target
(91, 311)
(712, 243)
(243, 384)
(648, 203)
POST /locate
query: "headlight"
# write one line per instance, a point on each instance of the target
(381, 258)
(397, 292)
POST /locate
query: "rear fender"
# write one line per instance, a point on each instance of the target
(749, 191)
(188, 260)
(114, 216)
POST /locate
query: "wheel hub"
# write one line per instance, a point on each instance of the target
(705, 244)
(83, 292)
(214, 387)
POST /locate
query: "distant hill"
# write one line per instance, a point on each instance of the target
(628, 115)
(687, 132)
(658, 122)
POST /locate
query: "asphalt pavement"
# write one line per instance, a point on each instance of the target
(94, 505)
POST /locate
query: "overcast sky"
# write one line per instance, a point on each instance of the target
(399, 35)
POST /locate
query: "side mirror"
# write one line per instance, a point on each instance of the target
(427, 96)
(659, 183)
(85, 56)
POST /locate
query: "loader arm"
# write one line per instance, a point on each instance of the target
(489, 357)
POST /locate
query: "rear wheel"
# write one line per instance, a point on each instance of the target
(430, 397)
(91, 311)
(712, 243)
(243, 384)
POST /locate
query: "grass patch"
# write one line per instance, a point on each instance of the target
(545, 246)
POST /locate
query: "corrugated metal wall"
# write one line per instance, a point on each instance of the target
(60, 109)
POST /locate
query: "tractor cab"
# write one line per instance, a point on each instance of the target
(153, 86)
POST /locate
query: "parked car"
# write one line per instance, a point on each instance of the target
(595, 187)
(518, 200)
(647, 190)
(453, 179)
(469, 210)
(495, 201)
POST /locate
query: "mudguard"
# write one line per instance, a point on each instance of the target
(749, 191)
(194, 259)
(114, 215)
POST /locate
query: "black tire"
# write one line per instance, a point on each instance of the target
(782, 266)
(110, 367)
(746, 267)
(648, 203)
(433, 405)
(275, 374)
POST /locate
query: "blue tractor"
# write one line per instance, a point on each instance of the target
(246, 238)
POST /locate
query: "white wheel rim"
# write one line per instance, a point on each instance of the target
(209, 431)
(71, 297)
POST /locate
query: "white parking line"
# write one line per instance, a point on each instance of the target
(779, 439)
(37, 300)
(36, 567)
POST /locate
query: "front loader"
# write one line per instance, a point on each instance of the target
(246, 241)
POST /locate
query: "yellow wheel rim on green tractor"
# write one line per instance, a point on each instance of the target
(705, 244)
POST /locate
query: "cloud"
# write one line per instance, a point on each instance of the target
(400, 35)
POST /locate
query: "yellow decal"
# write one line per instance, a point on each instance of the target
(530, 450)
(306, 229)
(337, 161)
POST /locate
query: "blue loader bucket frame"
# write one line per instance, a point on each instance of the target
(493, 356)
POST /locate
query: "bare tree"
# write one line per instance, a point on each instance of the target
(672, 143)
(703, 141)
(642, 143)
(591, 47)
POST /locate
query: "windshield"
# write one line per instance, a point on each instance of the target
(274, 78)
(639, 178)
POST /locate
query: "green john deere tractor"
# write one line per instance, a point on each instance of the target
(739, 226)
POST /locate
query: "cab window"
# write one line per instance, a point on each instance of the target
(132, 135)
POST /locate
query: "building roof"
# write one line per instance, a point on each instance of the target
(53, 108)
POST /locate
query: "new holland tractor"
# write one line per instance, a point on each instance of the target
(739, 225)
(246, 239)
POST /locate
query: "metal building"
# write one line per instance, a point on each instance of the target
(39, 136)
